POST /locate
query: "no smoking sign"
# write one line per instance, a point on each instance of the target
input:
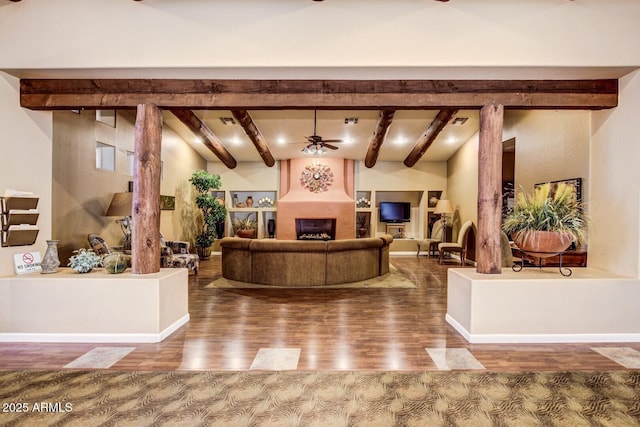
(27, 262)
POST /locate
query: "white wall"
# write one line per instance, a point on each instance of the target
(247, 176)
(550, 146)
(25, 161)
(614, 195)
(462, 184)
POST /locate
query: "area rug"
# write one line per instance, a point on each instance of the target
(393, 279)
(294, 398)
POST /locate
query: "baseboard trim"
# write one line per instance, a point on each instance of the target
(539, 338)
(95, 338)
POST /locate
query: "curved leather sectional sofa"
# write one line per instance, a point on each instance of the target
(303, 262)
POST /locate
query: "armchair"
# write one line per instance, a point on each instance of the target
(431, 244)
(175, 254)
(460, 246)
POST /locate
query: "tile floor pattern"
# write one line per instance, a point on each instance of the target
(100, 358)
(447, 359)
(276, 359)
(625, 356)
(283, 359)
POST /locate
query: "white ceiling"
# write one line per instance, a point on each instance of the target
(285, 133)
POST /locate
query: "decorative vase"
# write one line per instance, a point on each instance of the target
(115, 262)
(51, 262)
(249, 201)
(271, 228)
(542, 244)
(220, 229)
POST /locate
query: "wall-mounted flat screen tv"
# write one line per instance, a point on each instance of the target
(395, 211)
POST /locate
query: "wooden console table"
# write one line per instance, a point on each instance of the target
(570, 258)
(562, 260)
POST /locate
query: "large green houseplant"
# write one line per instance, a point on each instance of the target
(546, 222)
(213, 212)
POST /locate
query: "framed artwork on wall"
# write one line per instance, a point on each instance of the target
(167, 203)
(576, 183)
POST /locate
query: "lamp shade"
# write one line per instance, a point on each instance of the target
(121, 205)
(443, 207)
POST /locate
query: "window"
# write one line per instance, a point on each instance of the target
(108, 117)
(130, 162)
(105, 157)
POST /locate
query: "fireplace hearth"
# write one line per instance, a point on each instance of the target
(315, 228)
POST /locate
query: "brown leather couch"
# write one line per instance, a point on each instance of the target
(303, 262)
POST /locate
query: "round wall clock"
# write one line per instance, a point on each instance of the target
(316, 177)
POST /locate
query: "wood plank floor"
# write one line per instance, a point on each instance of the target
(335, 329)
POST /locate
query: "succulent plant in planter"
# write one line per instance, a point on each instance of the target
(84, 260)
(245, 227)
(546, 222)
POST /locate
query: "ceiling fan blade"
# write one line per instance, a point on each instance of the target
(332, 140)
(329, 146)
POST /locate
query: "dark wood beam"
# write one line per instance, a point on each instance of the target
(58, 94)
(202, 131)
(145, 239)
(254, 135)
(429, 135)
(489, 258)
(377, 139)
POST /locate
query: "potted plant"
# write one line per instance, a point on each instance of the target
(213, 211)
(84, 260)
(245, 227)
(545, 223)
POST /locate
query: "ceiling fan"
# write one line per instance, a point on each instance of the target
(315, 143)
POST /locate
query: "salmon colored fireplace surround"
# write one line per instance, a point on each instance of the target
(297, 202)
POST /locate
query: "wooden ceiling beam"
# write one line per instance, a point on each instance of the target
(254, 135)
(377, 139)
(429, 135)
(58, 94)
(202, 131)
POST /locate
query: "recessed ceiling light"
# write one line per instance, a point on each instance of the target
(282, 140)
